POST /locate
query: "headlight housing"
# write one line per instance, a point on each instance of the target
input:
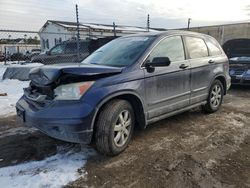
(72, 91)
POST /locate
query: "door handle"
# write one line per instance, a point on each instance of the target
(183, 66)
(211, 61)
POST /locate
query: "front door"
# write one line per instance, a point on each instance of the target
(167, 88)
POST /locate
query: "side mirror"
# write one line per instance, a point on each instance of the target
(48, 52)
(159, 62)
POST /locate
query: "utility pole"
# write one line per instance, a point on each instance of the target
(114, 26)
(78, 35)
(25, 42)
(148, 23)
(189, 21)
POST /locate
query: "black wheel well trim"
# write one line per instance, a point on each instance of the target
(222, 78)
(117, 95)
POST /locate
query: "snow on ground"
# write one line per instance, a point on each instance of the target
(13, 88)
(55, 171)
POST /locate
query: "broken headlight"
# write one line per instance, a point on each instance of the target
(72, 91)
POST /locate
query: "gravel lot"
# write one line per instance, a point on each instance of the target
(191, 149)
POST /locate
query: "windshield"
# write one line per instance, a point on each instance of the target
(120, 52)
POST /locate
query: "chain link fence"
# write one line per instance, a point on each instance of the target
(47, 47)
(56, 42)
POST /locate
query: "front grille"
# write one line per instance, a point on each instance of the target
(239, 72)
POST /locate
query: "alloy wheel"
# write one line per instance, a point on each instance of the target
(122, 128)
(216, 96)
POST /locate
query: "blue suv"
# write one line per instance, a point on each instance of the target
(132, 81)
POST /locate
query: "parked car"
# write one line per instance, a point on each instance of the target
(33, 53)
(240, 70)
(132, 81)
(238, 51)
(18, 57)
(66, 52)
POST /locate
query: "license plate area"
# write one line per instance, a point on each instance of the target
(239, 77)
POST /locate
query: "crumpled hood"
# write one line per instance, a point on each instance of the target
(48, 74)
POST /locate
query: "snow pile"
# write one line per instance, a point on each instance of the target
(55, 171)
(13, 89)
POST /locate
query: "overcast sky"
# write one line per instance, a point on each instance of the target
(32, 14)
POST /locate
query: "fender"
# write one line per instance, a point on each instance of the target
(113, 95)
(214, 78)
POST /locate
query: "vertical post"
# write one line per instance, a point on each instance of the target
(78, 35)
(18, 51)
(222, 35)
(89, 32)
(5, 55)
(189, 21)
(114, 26)
(148, 23)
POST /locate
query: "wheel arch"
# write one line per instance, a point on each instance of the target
(133, 99)
(221, 78)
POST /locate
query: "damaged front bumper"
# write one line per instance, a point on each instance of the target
(65, 120)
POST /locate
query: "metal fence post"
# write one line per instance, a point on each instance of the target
(78, 35)
(114, 26)
(5, 55)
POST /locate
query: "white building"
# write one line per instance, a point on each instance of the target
(54, 32)
(17, 48)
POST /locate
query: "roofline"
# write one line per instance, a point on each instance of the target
(217, 25)
(40, 30)
(169, 33)
(110, 25)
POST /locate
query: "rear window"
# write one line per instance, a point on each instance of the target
(213, 48)
(196, 47)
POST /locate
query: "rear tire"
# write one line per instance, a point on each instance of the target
(114, 127)
(215, 97)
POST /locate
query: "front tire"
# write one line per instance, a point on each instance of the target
(114, 127)
(215, 97)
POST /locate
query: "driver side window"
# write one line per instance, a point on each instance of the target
(59, 49)
(171, 47)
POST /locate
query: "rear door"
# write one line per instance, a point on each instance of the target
(167, 88)
(71, 51)
(201, 72)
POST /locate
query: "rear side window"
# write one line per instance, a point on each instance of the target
(170, 47)
(59, 49)
(213, 48)
(196, 47)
